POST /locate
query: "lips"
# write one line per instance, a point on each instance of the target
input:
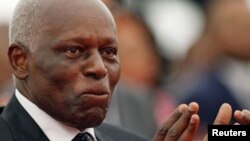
(94, 98)
(96, 90)
(98, 93)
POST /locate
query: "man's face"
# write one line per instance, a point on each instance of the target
(75, 67)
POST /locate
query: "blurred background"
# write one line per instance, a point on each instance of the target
(172, 52)
(6, 81)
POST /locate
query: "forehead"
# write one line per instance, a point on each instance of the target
(77, 9)
(82, 18)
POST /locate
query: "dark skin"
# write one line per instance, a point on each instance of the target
(72, 72)
(242, 117)
(183, 123)
(73, 68)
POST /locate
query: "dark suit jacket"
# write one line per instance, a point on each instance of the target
(17, 125)
(134, 110)
(210, 92)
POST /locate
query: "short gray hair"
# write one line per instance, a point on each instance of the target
(24, 24)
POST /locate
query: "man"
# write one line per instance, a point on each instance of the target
(64, 59)
(65, 63)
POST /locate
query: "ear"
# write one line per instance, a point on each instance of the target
(19, 61)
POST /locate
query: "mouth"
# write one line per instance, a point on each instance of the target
(95, 99)
(96, 91)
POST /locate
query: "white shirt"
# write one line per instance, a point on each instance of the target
(53, 129)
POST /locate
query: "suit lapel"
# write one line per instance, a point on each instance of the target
(102, 136)
(23, 126)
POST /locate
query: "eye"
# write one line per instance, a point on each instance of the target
(109, 53)
(73, 52)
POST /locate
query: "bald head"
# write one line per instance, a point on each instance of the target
(69, 59)
(32, 18)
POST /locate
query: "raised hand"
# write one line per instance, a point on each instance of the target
(181, 125)
(183, 122)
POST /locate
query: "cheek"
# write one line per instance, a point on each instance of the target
(56, 72)
(114, 75)
(62, 77)
(52, 78)
(53, 88)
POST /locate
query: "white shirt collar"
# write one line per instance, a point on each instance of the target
(53, 129)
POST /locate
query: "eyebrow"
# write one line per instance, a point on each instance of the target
(88, 41)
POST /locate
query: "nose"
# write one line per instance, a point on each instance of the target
(95, 68)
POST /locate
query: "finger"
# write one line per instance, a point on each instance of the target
(179, 126)
(190, 131)
(224, 115)
(162, 131)
(244, 117)
(238, 115)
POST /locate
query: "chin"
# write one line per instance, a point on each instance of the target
(92, 118)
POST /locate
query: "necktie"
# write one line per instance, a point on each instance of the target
(83, 137)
